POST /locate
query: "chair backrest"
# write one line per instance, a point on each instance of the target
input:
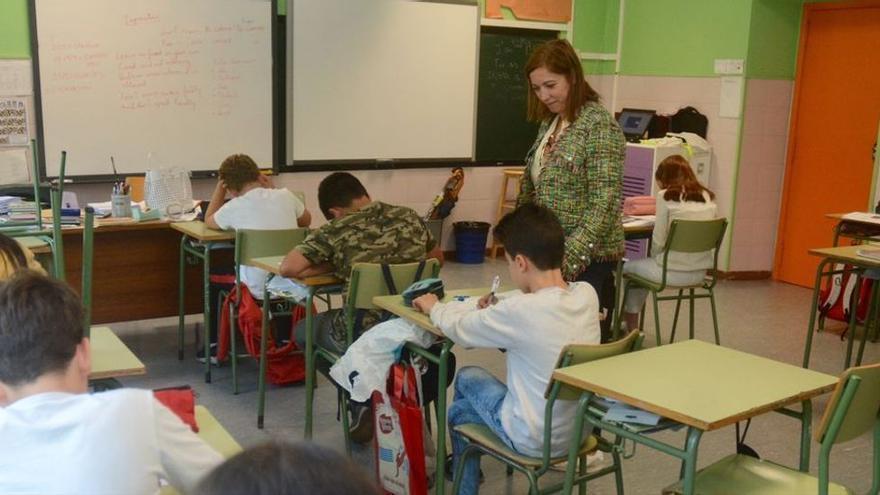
(695, 236)
(255, 243)
(573, 354)
(854, 406)
(367, 280)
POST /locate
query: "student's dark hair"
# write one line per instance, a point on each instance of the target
(237, 171)
(289, 469)
(676, 176)
(41, 323)
(558, 57)
(11, 253)
(534, 232)
(339, 190)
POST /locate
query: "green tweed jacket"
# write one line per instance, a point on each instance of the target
(582, 182)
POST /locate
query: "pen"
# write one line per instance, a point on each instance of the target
(496, 283)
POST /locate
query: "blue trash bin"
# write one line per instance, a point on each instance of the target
(470, 241)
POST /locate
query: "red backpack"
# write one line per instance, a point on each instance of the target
(284, 364)
(835, 300)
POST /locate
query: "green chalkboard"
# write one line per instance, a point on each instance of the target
(503, 133)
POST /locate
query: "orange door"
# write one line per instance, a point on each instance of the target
(834, 124)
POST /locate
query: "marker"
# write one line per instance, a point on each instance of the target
(496, 283)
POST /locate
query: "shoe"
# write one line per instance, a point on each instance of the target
(595, 462)
(200, 355)
(361, 428)
(450, 473)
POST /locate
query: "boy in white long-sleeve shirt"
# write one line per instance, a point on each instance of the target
(58, 439)
(533, 324)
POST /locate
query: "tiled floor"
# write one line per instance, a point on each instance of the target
(762, 317)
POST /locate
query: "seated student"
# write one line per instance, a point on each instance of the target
(681, 197)
(57, 438)
(359, 230)
(533, 325)
(255, 204)
(15, 257)
(288, 469)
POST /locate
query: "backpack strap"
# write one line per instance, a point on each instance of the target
(389, 280)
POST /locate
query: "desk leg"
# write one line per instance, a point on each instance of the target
(181, 297)
(576, 440)
(689, 462)
(264, 330)
(440, 406)
(806, 426)
(310, 366)
(206, 283)
(853, 321)
(814, 308)
(871, 320)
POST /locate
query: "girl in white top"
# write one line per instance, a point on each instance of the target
(681, 197)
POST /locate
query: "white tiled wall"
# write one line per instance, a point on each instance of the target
(761, 169)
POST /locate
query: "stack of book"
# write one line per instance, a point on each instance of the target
(23, 211)
(70, 216)
(6, 201)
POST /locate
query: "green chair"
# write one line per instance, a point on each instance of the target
(852, 410)
(366, 282)
(685, 236)
(481, 440)
(250, 244)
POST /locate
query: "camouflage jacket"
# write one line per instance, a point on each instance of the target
(377, 233)
(582, 182)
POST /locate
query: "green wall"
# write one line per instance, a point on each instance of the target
(683, 37)
(595, 31)
(773, 39)
(14, 28)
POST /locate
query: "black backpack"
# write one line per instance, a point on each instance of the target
(689, 119)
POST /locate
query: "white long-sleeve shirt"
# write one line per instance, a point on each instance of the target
(667, 211)
(117, 442)
(533, 328)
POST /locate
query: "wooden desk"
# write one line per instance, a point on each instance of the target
(395, 305)
(846, 255)
(321, 284)
(856, 229)
(700, 385)
(213, 433)
(111, 358)
(197, 240)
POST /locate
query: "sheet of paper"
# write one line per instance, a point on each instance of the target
(15, 78)
(731, 97)
(14, 167)
(13, 122)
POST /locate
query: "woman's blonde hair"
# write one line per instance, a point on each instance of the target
(559, 57)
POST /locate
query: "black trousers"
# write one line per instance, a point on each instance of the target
(601, 276)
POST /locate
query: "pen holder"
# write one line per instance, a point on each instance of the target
(120, 205)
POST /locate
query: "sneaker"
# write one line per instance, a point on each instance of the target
(200, 355)
(361, 428)
(450, 473)
(595, 462)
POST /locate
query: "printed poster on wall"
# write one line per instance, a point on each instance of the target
(13, 122)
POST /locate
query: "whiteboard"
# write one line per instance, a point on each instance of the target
(381, 79)
(189, 81)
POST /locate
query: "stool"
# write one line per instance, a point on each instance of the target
(505, 204)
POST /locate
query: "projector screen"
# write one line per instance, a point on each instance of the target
(381, 80)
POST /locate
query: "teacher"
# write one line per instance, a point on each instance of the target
(575, 167)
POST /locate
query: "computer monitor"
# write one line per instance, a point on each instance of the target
(634, 122)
